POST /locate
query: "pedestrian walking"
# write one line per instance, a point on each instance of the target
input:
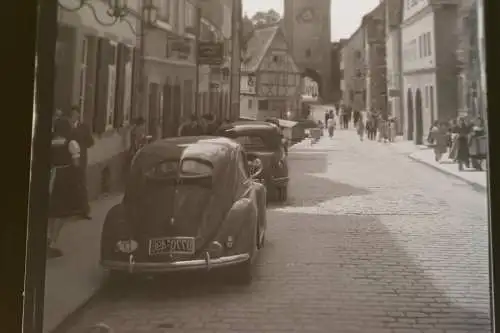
(463, 132)
(478, 144)
(392, 129)
(453, 140)
(137, 139)
(356, 117)
(65, 200)
(210, 124)
(327, 115)
(361, 129)
(82, 135)
(439, 137)
(331, 126)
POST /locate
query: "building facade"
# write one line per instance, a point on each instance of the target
(429, 42)
(270, 80)
(307, 27)
(341, 71)
(471, 97)
(94, 70)
(373, 25)
(393, 18)
(482, 57)
(335, 95)
(353, 59)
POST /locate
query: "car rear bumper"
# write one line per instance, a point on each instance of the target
(187, 265)
(280, 181)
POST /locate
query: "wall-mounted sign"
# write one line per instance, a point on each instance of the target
(248, 84)
(210, 53)
(180, 47)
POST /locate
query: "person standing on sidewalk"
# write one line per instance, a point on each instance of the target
(477, 145)
(82, 135)
(360, 126)
(439, 138)
(463, 157)
(64, 183)
(331, 126)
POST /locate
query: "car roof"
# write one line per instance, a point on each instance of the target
(210, 148)
(250, 126)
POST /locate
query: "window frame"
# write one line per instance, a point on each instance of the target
(83, 75)
(112, 88)
(189, 15)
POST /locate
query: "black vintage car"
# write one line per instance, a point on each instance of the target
(190, 204)
(264, 140)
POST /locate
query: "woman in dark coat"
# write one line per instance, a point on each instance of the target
(477, 144)
(64, 182)
(463, 131)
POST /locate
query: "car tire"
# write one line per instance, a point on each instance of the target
(242, 274)
(282, 193)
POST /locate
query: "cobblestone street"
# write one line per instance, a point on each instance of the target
(370, 241)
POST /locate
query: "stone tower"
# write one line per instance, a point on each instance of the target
(307, 29)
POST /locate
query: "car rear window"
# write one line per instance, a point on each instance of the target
(163, 170)
(196, 168)
(254, 142)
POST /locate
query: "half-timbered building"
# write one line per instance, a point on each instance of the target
(270, 78)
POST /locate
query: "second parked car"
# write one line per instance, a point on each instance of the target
(264, 140)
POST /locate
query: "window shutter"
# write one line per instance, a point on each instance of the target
(103, 57)
(136, 58)
(120, 86)
(90, 95)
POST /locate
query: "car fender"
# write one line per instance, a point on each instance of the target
(114, 229)
(241, 224)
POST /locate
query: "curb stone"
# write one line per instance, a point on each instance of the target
(476, 186)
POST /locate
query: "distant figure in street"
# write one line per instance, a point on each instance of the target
(82, 135)
(360, 126)
(327, 115)
(65, 200)
(356, 117)
(331, 126)
(191, 128)
(137, 139)
(392, 129)
(211, 124)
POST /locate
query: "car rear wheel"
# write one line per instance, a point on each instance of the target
(282, 193)
(242, 274)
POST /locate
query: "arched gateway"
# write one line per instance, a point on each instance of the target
(306, 25)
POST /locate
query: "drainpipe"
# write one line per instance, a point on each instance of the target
(234, 94)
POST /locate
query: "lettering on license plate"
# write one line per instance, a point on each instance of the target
(171, 245)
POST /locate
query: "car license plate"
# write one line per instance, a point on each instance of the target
(171, 245)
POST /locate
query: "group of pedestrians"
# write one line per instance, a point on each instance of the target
(204, 125)
(463, 139)
(68, 182)
(376, 126)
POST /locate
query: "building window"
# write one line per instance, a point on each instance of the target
(420, 46)
(358, 54)
(163, 9)
(264, 104)
(83, 76)
(110, 107)
(189, 14)
(429, 44)
(308, 53)
(250, 104)
(426, 97)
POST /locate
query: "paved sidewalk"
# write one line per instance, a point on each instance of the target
(70, 281)
(419, 153)
(425, 155)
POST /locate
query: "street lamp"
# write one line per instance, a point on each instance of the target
(117, 10)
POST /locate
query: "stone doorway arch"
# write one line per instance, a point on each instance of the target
(409, 101)
(419, 119)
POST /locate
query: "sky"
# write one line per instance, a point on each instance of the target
(345, 15)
